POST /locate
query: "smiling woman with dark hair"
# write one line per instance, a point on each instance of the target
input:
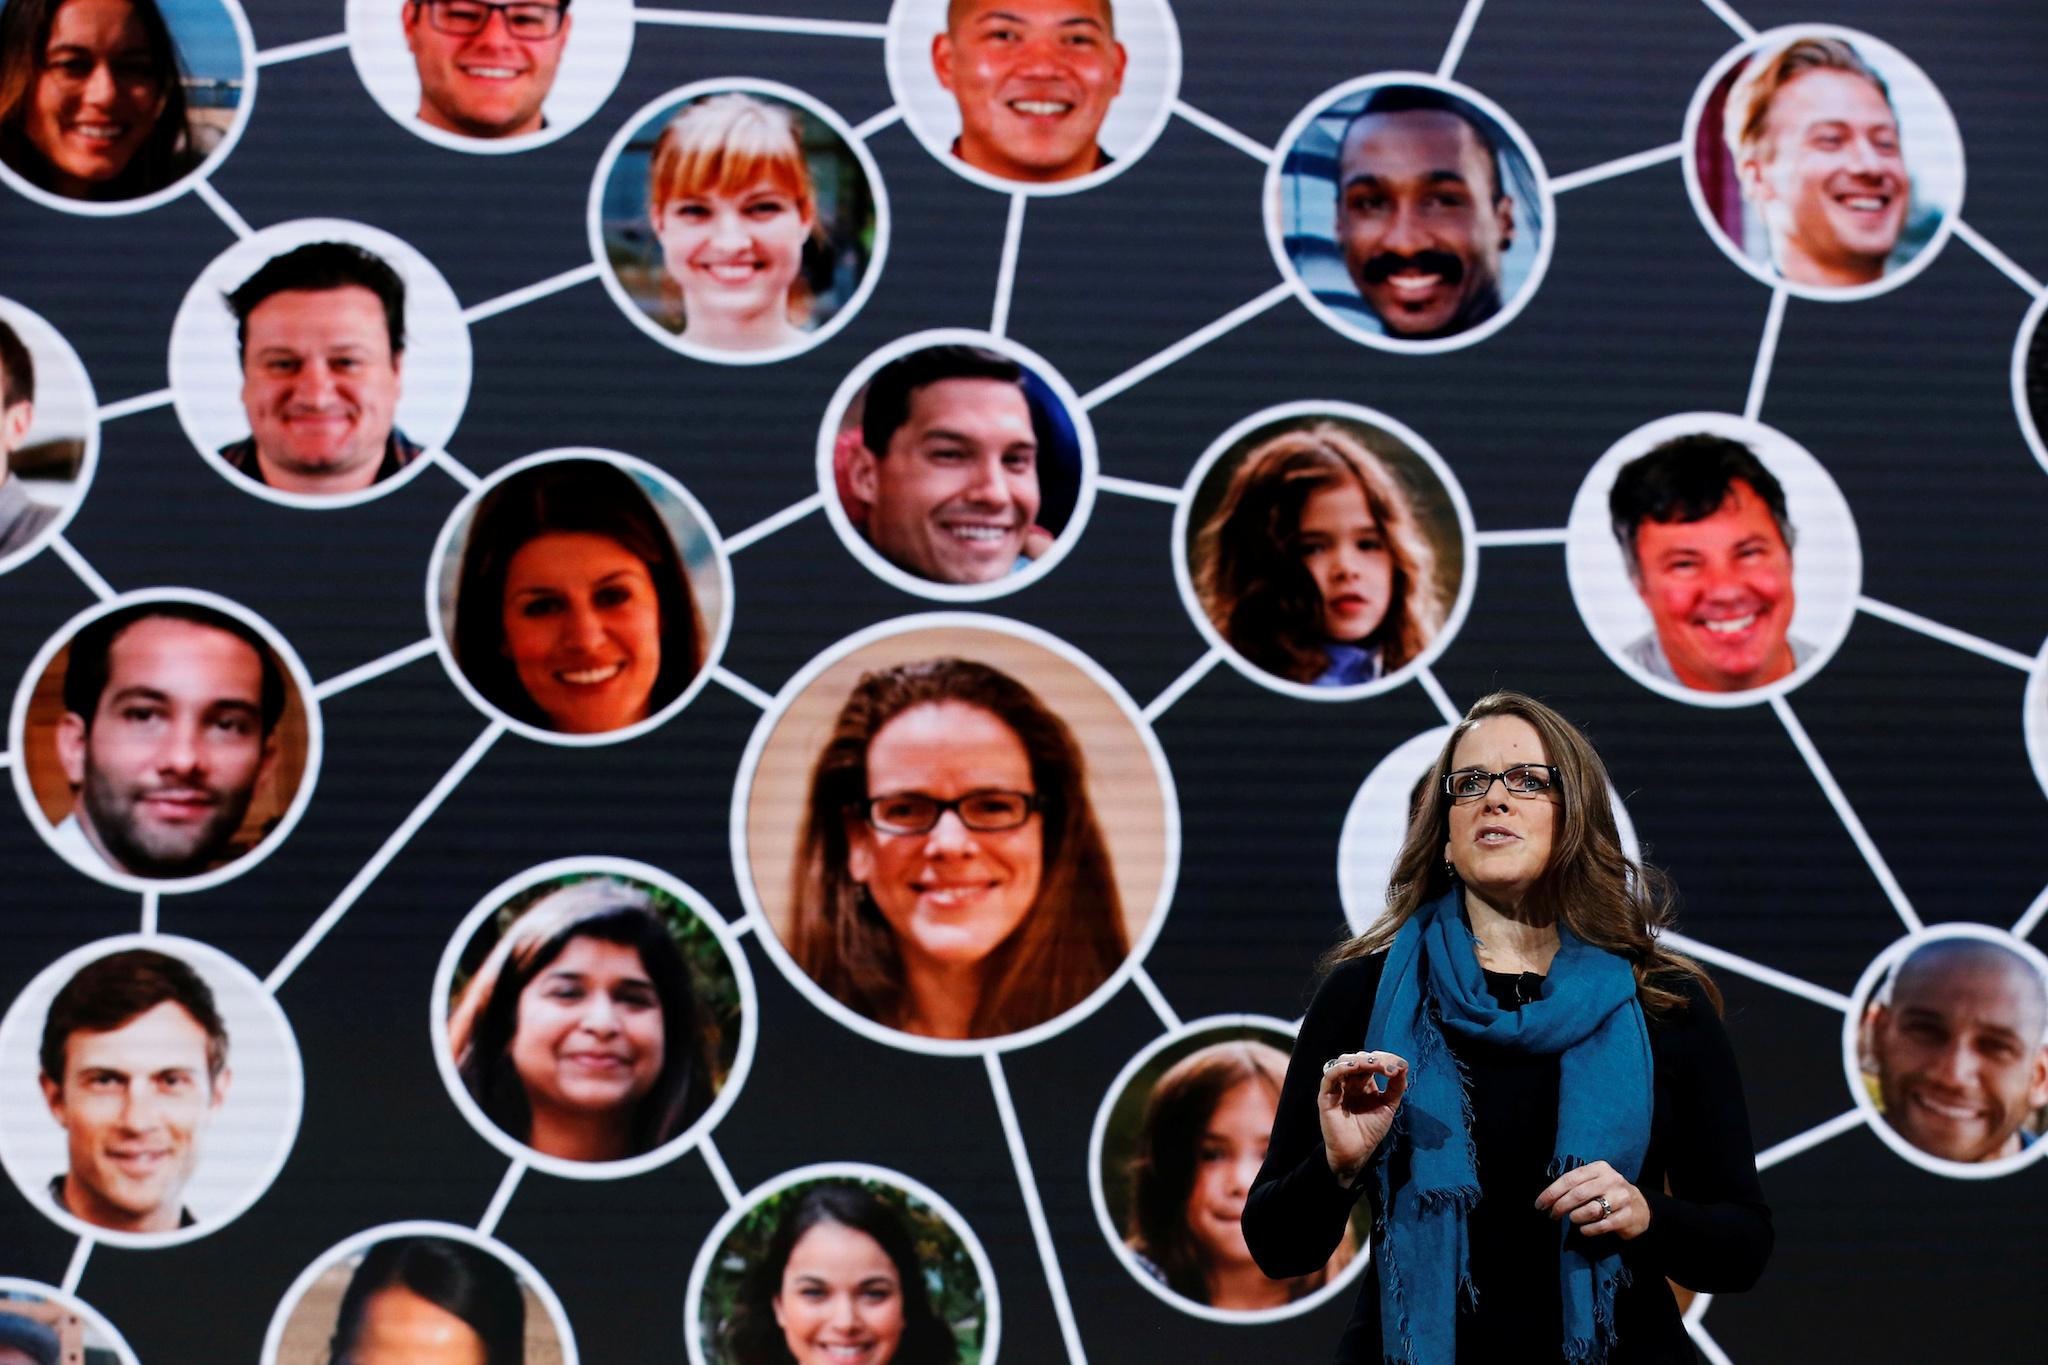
(92, 98)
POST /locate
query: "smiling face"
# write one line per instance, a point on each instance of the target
(1500, 842)
(320, 388)
(589, 1039)
(841, 1300)
(490, 82)
(134, 1103)
(1034, 79)
(952, 895)
(169, 762)
(953, 497)
(1959, 1051)
(398, 1327)
(736, 258)
(1341, 545)
(97, 97)
(1233, 1147)
(1719, 591)
(1421, 229)
(583, 630)
(1829, 178)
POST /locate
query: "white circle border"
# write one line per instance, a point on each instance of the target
(464, 513)
(818, 1172)
(71, 1303)
(89, 464)
(2034, 715)
(1510, 309)
(1852, 1023)
(260, 1000)
(295, 673)
(771, 941)
(117, 208)
(1214, 1023)
(522, 1269)
(1183, 573)
(2031, 327)
(862, 549)
(626, 869)
(1689, 163)
(893, 55)
(680, 342)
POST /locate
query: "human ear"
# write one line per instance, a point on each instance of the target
(71, 738)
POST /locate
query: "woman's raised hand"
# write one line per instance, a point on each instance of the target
(1360, 1094)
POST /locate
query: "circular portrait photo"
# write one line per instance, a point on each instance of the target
(958, 830)
(1176, 1145)
(1377, 823)
(843, 1263)
(165, 741)
(738, 221)
(1034, 96)
(319, 362)
(580, 596)
(49, 433)
(1713, 559)
(41, 1325)
(957, 465)
(2029, 379)
(115, 106)
(1326, 549)
(420, 1294)
(153, 1092)
(592, 1017)
(1947, 1050)
(1410, 213)
(1823, 160)
(481, 77)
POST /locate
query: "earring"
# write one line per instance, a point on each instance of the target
(1450, 869)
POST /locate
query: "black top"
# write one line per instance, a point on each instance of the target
(1711, 1232)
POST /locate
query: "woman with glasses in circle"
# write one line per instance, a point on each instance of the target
(1516, 975)
(952, 881)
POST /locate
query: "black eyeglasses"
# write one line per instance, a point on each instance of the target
(985, 812)
(1524, 779)
(523, 18)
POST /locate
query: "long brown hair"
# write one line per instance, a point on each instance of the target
(1247, 558)
(1073, 936)
(1589, 885)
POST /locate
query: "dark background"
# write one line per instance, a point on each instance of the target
(1904, 398)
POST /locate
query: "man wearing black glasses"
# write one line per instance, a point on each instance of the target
(486, 66)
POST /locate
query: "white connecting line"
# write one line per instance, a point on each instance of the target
(1176, 689)
(487, 1226)
(1454, 52)
(1034, 1209)
(1006, 268)
(1847, 813)
(721, 1174)
(756, 23)
(1766, 353)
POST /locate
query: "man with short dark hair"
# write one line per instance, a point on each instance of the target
(1034, 79)
(948, 465)
(1422, 215)
(485, 67)
(322, 335)
(170, 713)
(134, 1069)
(1703, 529)
(21, 520)
(1961, 1049)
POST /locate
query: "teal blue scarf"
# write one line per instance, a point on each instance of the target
(1588, 1018)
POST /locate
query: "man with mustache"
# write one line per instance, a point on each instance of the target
(322, 333)
(134, 1063)
(1422, 215)
(1816, 145)
(1704, 532)
(1034, 80)
(170, 713)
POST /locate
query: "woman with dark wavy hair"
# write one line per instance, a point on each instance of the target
(1313, 566)
(1534, 1095)
(581, 1035)
(92, 98)
(430, 1301)
(574, 610)
(952, 880)
(839, 1281)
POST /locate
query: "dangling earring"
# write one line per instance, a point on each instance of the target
(1450, 869)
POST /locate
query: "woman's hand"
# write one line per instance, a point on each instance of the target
(1598, 1200)
(1355, 1109)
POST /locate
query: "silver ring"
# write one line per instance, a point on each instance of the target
(1606, 1209)
(1331, 1065)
